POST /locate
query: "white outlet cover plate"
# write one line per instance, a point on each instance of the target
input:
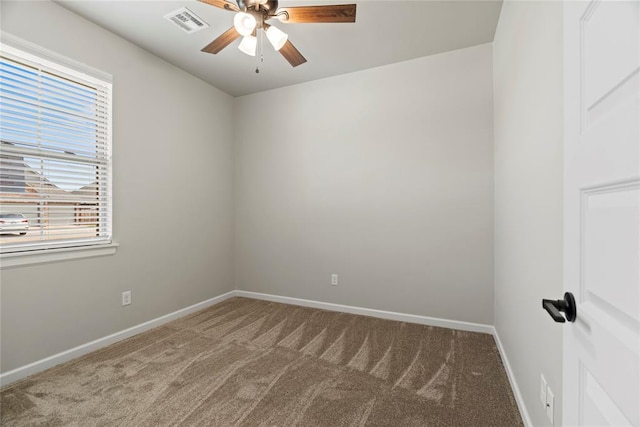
(550, 405)
(543, 390)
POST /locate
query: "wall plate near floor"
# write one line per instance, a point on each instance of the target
(550, 405)
(543, 390)
(126, 298)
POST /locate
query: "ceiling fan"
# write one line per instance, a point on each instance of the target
(251, 16)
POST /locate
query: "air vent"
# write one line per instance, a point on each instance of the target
(187, 20)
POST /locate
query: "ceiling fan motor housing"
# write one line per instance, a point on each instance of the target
(268, 6)
(265, 9)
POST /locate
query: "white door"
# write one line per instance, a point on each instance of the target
(602, 212)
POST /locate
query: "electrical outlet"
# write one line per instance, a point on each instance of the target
(126, 298)
(550, 405)
(543, 390)
(334, 279)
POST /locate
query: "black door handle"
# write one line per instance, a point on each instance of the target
(566, 305)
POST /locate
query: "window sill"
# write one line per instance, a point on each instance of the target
(20, 259)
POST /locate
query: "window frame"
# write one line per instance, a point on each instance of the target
(14, 47)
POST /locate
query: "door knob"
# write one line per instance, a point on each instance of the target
(566, 305)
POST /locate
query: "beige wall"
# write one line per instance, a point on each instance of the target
(528, 128)
(384, 177)
(172, 137)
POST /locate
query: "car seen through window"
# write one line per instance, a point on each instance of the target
(14, 223)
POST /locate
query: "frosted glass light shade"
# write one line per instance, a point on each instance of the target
(248, 45)
(244, 23)
(277, 37)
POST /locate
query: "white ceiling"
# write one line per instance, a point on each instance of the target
(385, 32)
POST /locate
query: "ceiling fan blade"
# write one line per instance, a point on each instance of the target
(309, 14)
(292, 54)
(222, 4)
(222, 41)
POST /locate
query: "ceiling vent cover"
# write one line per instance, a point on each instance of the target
(187, 20)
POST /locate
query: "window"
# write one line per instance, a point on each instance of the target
(55, 153)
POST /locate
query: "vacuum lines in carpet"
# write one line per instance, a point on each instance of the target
(248, 362)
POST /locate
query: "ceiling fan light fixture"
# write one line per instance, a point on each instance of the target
(276, 37)
(248, 45)
(244, 23)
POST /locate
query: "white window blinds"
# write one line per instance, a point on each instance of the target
(55, 154)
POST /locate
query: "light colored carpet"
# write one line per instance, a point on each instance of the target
(256, 363)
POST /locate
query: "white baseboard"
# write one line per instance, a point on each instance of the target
(512, 379)
(51, 361)
(390, 315)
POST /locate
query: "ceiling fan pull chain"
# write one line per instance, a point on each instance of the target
(261, 56)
